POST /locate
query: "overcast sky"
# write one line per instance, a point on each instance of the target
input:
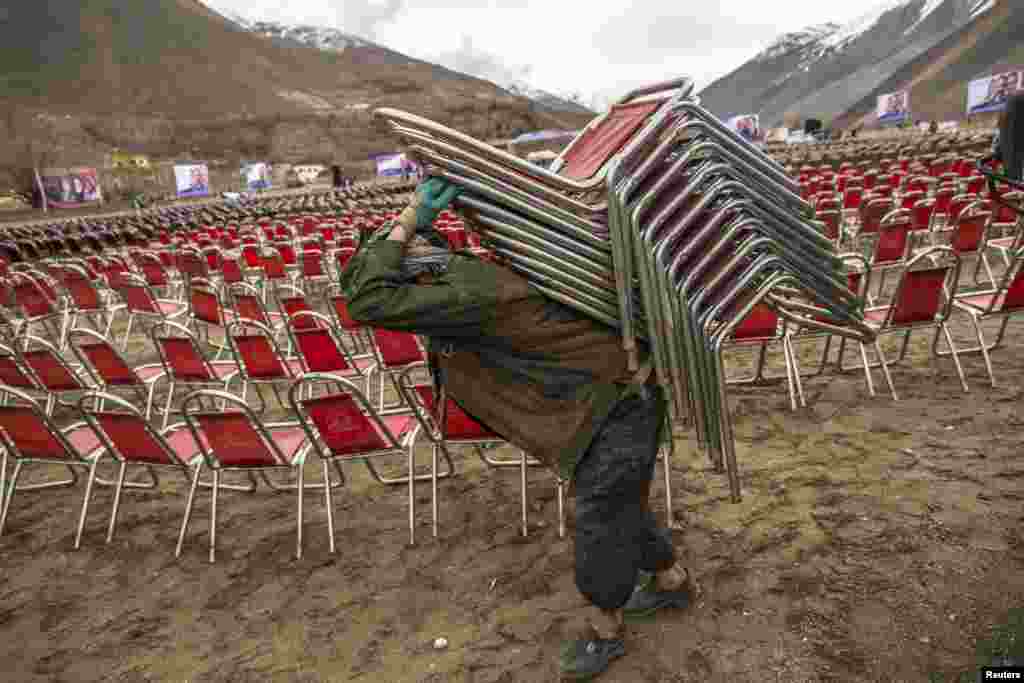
(597, 48)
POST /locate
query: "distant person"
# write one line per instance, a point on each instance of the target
(338, 180)
(200, 184)
(933, 127)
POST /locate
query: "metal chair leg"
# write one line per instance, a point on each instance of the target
(213, 516)
(522, 487)
(298, 527)
(188, 509)
(956, 358)
(330, 506)
(117, 500)
(561, 507)
(10, 496)
(85, 503)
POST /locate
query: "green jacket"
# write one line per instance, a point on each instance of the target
(531, 369)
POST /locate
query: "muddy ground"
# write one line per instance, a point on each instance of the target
(876, 541)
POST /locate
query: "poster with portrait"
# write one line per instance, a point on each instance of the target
(390, 165)
(894, 107)
(192, 180)
(992, 92)
(70, 188)
(747, 126)
(256, 176)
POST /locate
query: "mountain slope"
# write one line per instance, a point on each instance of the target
(831, 71)
(174, 78)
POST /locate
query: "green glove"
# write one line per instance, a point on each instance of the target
(432, 197)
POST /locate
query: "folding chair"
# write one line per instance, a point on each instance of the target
(923, 299)
(393, 351)
(341, 425)
(322, 349)
(37, 306)
(206, 310)
(86, 301)
(248, 305)
(237, 441)
(185, 365)
(1002, 301)
(454, 427)
(260, 360)
(108, 369)
(30, 437)
(127, 435)
(968, 236)
(761, 327)
(142, 303)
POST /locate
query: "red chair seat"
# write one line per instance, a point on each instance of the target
(170, 308)
(398, 424)
(83, 440)
(148, 373)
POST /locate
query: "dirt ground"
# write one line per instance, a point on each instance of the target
(876, 541)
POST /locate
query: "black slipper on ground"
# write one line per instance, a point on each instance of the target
(586, 658)
(647, 599)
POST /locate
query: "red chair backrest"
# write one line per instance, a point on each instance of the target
(831, 220)
(137, 298)
(108, 363)
(319, 350)
(920, 296)
(396, 348)
(234, 441)
(30, 434)
(969, 233)
(251, 254)
(287, 253)
(273, 267)
(290, 305)
(248, 306)
(50, 371)
(132, 440)
(871, 215)
(340, 307)
(312, 263)
(259, 360)
(184, 360)
(12, 375)
(231, 271)
(82, 291)
(893, 239)
(760, 323)
(343, 256)
(459, 426)
(32, 298)
(153, 272)
(206, 306)
(921, 215)
(1013, 299)
(345, 430)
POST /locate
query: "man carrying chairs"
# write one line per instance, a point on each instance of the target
(553, 383)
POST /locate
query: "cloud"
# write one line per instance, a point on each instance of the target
(600, 49)
(362, 17)
(475, 61)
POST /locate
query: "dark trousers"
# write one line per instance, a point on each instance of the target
(616, 534)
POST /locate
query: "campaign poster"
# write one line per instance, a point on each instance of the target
(70, 188)
(256, 176)
(747, 126)
(894, 107)
(192, 180)
(992, 92)
(390, 165)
